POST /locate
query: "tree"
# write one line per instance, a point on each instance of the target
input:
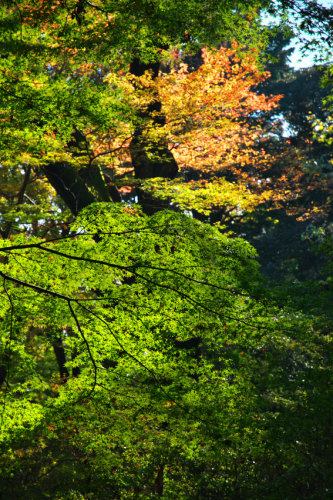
(205, 131)
(57, 99)
(51, 114)
(92, 38)
(303, 219)
(186, 371)
(221, 125)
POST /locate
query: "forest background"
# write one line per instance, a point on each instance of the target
(166, 223)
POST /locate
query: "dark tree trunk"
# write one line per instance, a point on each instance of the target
(146, 168)
(164, 164)
(59, 352)
(78, 188)
(159, 482)
(76, 369)
(3, 369)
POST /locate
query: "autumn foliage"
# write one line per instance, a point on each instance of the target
(211, 124)
(204, 126)
(205, 111)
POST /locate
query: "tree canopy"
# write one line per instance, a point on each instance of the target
(142, 353)
(181, 366)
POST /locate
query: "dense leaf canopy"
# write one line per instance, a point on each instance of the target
(180, 361)
(142, 355)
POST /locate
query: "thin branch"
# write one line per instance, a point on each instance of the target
(29, 199)
(141, 364)
(87, 345)
(132, 268)
(96, 7)
(35, 287)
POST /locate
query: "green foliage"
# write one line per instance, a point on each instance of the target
(279, 52)
(202, 195)
(185, 364)
(284, 249)
(41, 111)
(180, 374)
(112, 30)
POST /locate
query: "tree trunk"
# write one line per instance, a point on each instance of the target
(3, 369)
(159, 482)
(78, 189)
(164, 165)
(59, 352)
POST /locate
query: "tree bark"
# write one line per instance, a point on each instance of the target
(159, 481)
(164, 165)
(59, 352)
(3, 369)
(78, 189)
